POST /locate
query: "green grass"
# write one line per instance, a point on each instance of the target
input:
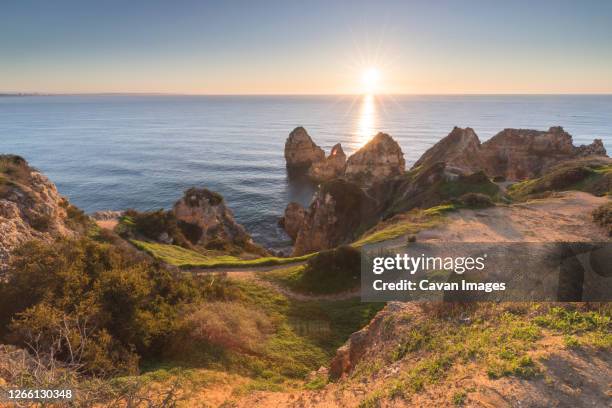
(405, 224)
(502, 340)
(457, 188)
(305, 337)
(595, 179)
(186, 258)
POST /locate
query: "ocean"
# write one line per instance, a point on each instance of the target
(113, 152)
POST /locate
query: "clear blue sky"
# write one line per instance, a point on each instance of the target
(251, 47)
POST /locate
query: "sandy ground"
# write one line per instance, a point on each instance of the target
(563, 218)
(107, 224)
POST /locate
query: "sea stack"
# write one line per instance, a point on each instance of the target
(330, 168)
(301, 152)
(380, 159)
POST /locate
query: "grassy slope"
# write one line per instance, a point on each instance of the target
(554, 181)
(404, 224)
(186, 258)
(503, 340)
(305, 337)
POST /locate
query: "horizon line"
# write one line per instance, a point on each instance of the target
(17, 94)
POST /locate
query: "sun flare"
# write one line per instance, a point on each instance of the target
(370, 79)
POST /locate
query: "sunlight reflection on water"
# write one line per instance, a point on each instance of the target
(366, 123)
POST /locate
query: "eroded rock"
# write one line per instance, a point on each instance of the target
(31, 208)
(460, 150)
(335, 216)
(524, 153)
(293, 219)
(205, 220)
(330, 168)
(380, 159)
(512, 154)
(301, 152)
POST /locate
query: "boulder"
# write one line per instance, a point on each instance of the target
(293, 219)
(330, 168)
(338, 212)
(31, 208)
(380, 159)
(524, 153)
(301, 152)
(205, 220)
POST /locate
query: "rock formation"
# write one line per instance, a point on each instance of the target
(301, 152)
(523, 153)
(338, 212)
(512, 154)
(353, 351)
(330, 168)
(380, 159)
(205, 220)
(460, 150)
(31, 208)
(293, 219)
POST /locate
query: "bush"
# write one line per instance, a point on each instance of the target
(101, 299)
(154, 224)
(40, 222)
(476, 200)
(332, 271)
(229, 325)
(603, 216)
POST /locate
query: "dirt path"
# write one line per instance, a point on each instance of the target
(255, 274)
(562, 218)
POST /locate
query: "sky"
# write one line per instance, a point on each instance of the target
(306, 47)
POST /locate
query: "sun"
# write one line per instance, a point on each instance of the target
(370, 80)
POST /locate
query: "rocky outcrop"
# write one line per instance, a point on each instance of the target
(379, 160)
(338, 212)
(293, 219)
(361, 342)
(512, 154)
(517, 154)
(301, 152)
(330, 168)
(31, 208)
(460, 150)
(205, 220)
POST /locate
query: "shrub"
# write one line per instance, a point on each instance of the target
(192, 232)
(101, 298)
(40, 222)
(332, 271)
(154, 224)
(230, 325)
(476, 200)
(603, 216)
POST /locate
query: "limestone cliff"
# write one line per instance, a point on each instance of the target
(379, 160)
(338, 212)
(524, 153)
(512, 154)
(31, 208)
